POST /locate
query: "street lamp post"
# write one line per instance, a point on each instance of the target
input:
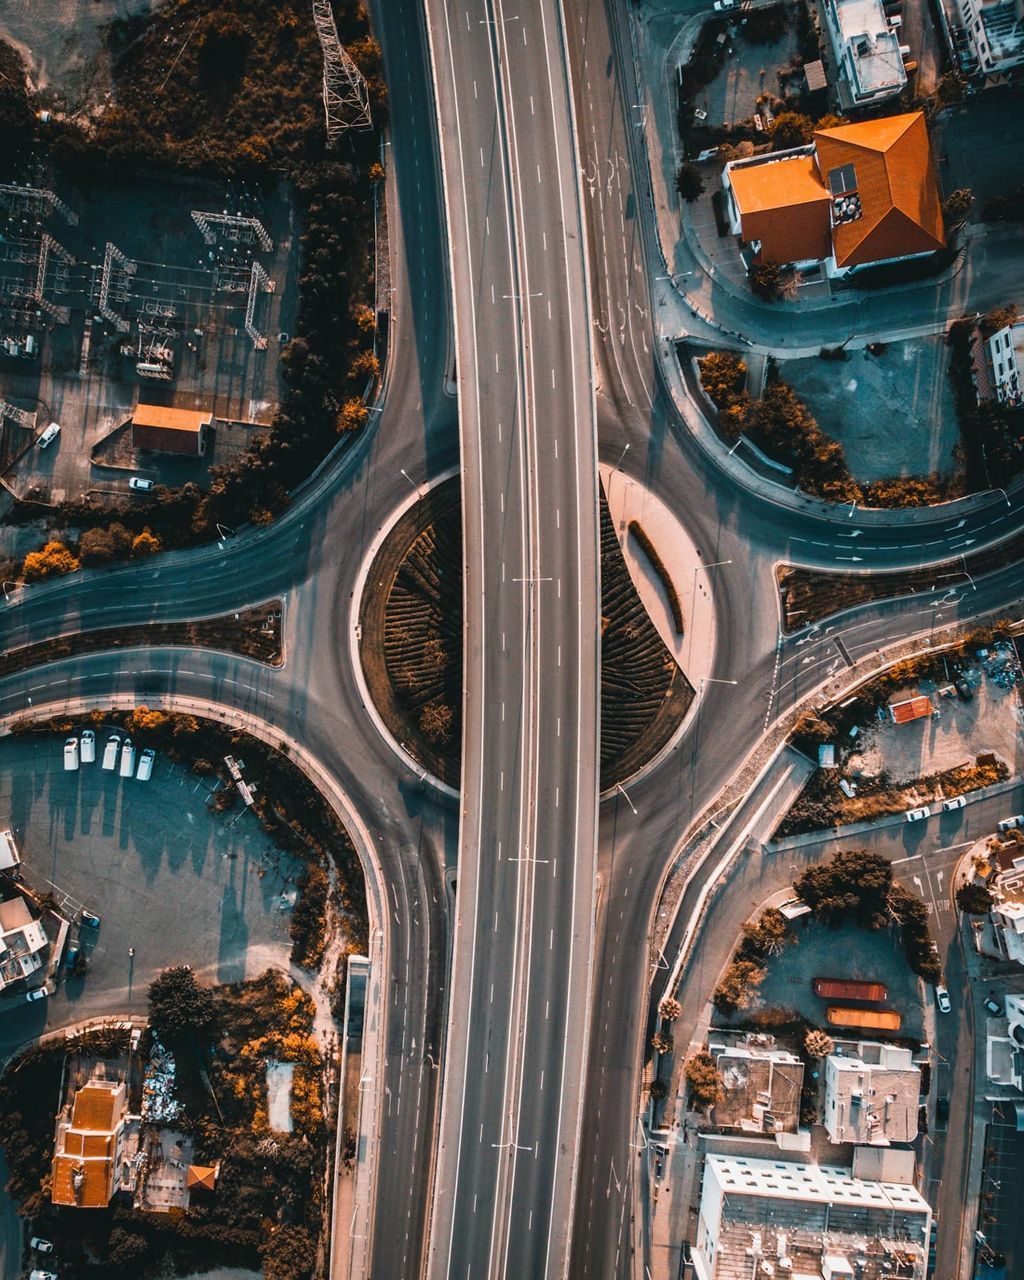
(625, 450)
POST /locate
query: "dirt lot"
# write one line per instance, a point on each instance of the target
(62, 42)
(852, 401)
(991, 722)
(750, 70)
(864, 955)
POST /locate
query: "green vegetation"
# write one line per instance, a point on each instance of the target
(780, 424)
(704, 1080)
(689, 182)
(179, 1008)
(738, 985)
(758, 943)
(858, 887)
(268, 1205)
(232, 87)
(974, 899)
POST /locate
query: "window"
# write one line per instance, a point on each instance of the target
(842, 180)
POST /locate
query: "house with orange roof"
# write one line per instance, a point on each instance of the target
(860, 195)
(89, 1146)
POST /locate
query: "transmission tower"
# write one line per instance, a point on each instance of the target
(233, 226)
(36, 201)
(259, 282)
(21, 416)
(115, 285)
(52, 252)
(346, 100)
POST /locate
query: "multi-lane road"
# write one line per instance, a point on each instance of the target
(518, 1012)
(549, 305)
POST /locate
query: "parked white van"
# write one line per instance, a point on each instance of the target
(87, 743)
(145, 769)
(127, 758)
(110, 752)
(70, 754)
(49, 435)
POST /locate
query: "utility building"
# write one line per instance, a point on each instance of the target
(166, 430)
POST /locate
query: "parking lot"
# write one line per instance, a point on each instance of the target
(1001, 1184)
(167, 877)
(852, 402)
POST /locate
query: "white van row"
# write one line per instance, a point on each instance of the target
(119, 754)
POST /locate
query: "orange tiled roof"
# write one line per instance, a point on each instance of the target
(95, 1108)
(97, 1182)
(201, 1175)
(895, 180)
(783, 204)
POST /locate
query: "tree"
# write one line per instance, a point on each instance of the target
(853, 885)
(352, 414)
(689, 182)
(957, 206)
(767, 937)
(974, 899)
(101, 545)
(178, 1005)
(951, 89)
(704, 1081)
(126, 1249)
(436, 723)
(54, 559)
(146, 543)
(791, 129)
(659, 1089)
(722, 375)
(287, 1253)
(766, 281)
(662, 1042)
(819, 1044)
(670, 1009)
(739, 982)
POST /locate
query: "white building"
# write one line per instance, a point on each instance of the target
(22, 942)
(872, 1097)
(1004, 1045)
(1005, 354)
(995, 33)
(9, 855)
(776, 1218)
(761, 1083)
(866, 49)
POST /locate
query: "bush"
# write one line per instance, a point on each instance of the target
(790, 129)
(178, 1005)
(766, 281)
(309, 917)
(767, 937)
(739, 982)
(54, 559)
(670, 1009)
(723, 376)
(689, 182)
(818, 1044)
(704, 1081)
(287, 1254)
(974, 899)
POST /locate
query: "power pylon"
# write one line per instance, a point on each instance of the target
(346, 99)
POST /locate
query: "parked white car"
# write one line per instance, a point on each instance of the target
(145, 769)
(87, 744)
(1011, 824)
(40, 1245)
(954, 802)
(942, 999)
(49, 435)
(110, 752)
(140, 484)
(127, 758)
(70, 754)
(915, 815)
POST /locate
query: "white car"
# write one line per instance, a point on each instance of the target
(915, 815)
(70, 754)
(723, 6)
(40, 993)
(43, 1275)
(954, 802)
(1011, 824)
(40, 1245)
(139, 484)
(942, 999)
(110, 752)
(127, 759)
(87, 743)
(145, 769)
(49, 435)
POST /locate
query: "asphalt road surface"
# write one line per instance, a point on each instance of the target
(527, 849)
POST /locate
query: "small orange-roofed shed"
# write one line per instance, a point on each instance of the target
(910, 709)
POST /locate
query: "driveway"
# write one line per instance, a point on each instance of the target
(166, 876)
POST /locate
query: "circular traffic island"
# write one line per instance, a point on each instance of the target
(410, 646)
